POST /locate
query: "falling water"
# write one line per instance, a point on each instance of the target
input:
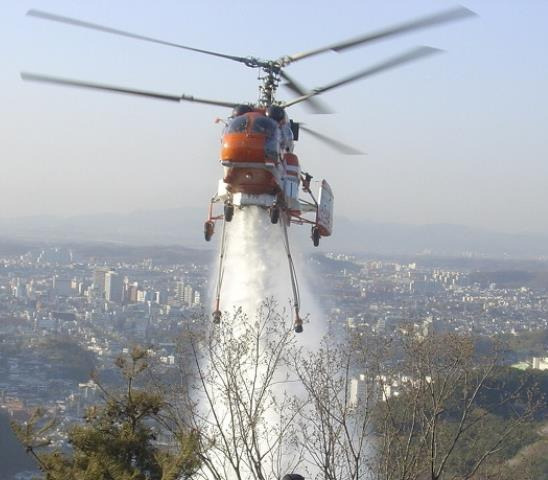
(256, 271)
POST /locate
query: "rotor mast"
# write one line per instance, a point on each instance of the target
(270, 82)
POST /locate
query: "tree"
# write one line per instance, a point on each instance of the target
(253, 404)
(409, 409)
(436, 419)
(335, 418)
(116, 442)
(239, 396)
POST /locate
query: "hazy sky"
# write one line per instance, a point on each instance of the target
(456, 138)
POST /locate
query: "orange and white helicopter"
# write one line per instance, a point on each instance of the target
(260, 168)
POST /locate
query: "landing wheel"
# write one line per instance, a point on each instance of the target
(209, 227)
(216, 317)
(298, 329)
(316, 236)
(229, 212)
(274, 214)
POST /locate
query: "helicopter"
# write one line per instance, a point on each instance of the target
(260, 168)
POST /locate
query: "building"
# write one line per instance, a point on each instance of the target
(132, 292)
(540, 363)
(185, 294)
(160, 297)
(179, 291)
(114, 287)
(19, 289)
(188, 295)
(99, 276)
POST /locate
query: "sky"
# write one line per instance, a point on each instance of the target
(458, 138)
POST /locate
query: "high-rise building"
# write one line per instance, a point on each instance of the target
(19, 289)
(132, 291)
(160, 297)
(99, 276)
(179, 291)
(188, 295)
(114, 287)
(144, 296)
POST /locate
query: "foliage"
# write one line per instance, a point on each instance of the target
(449, 414)
(117, 440)
(334, 417)
(252, 402)
(238, 401)
(529, 343)
(410, 409)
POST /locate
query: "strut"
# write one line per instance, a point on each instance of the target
(293, 276)
(217, 312)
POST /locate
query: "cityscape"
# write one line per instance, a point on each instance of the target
(94, 310)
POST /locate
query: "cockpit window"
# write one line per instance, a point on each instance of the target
(237, 125)
(264, 125)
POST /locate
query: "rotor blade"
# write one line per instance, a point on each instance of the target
(93, 26)
(410, 56)
(457, 13)
(335, 144)
(111, 88)
(313, 104)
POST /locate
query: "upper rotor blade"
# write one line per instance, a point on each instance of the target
(423, 22)
(130, 91)
(80, 23)
(313, 104)
(335, 144)
(412, 55)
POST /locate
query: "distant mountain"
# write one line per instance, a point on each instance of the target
(184, 226)
(177, 226)
(437, 239)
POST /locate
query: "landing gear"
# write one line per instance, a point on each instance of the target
(298, 326)
(229, 212)
(316, 236)
(209, 228)
(274, 214)
(217, 311)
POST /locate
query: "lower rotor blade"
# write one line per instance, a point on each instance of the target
(312, 104)
(114, 89)
(335, 144)
(410, 56)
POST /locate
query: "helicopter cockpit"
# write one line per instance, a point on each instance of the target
(269, 128)
(252, 132)
(237, 125)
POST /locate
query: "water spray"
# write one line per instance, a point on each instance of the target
(245, 237)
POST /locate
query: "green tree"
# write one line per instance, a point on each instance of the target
(117, 440)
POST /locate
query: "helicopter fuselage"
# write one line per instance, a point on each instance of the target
(259, 167)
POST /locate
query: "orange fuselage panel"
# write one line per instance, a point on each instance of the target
(243, 155)
(243, 148)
